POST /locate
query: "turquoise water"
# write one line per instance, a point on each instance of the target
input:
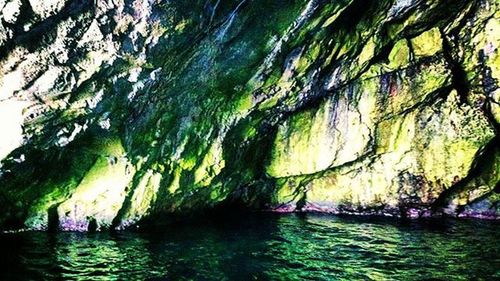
(263, 247)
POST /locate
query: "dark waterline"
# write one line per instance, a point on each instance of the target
(263, 247)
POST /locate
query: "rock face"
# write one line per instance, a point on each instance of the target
(118, 111)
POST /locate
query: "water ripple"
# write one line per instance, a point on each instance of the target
(271, 247)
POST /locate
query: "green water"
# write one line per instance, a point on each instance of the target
(263, 247)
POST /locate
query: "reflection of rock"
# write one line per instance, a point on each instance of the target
(116, 111)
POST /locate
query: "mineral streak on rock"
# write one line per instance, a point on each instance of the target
(117, 113)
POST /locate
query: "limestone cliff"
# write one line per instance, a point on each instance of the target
(112, 112)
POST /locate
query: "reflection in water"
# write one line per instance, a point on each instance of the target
(289, 247)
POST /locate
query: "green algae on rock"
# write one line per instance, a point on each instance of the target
(118, 112)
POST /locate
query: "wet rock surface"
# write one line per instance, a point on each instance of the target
(115, 113)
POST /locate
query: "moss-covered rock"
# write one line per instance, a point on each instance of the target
(427, 43)
(417, 157)
(123, 111)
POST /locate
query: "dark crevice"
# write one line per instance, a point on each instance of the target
(301, 203)
(53, 218)
(383, 55)
(458, 75)
(491, 119)
(92, 227)
(497, 187)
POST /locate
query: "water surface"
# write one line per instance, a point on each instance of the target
(263, 247)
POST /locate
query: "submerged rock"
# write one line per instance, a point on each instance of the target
(119, 112)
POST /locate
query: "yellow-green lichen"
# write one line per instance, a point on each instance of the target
(396, 134)
(495, 105)
(449, 145)
(407, 89)
(481, 185)
(175, 184)
(314, 140)
(492, 38)
(212, 164)
(431, 148)
(399, 55)
(100, 194)
(427, 43)
(143, 197)
(368, 51)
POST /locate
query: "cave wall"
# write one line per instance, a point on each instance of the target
(116, 112)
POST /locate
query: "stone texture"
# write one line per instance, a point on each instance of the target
(46, 8)
(117, 113)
